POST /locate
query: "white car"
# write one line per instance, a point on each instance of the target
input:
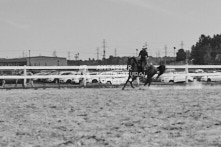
(93, 77)
(67, 79)
(40, 74)
(55, 80)
(211, 78)
(176, 78)
(78, 78)
(107, 77)
(199, 71)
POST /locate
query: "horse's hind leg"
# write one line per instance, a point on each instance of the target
(148, 81)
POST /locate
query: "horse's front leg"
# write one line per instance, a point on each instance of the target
(126, 82)
(131, 82)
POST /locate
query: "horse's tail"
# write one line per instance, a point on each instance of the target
(161, 70)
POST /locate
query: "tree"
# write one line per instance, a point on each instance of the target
(206, 50)
(180, 55)
(218, 59)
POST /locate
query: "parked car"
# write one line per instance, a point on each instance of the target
(55, 80)
(199, 71)
(93, 77)
(78, 78)
(211, 78)
(67, 79)
(40, 74)
(176, 78)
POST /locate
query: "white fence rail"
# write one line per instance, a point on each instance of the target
(99, 68)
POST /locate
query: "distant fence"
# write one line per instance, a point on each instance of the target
(99, 68)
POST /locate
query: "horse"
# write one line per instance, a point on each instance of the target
(136, 71)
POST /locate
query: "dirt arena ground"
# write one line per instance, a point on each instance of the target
(146, 117)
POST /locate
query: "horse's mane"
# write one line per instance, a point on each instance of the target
(135, 60)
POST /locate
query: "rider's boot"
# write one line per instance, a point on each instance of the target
(145, 72)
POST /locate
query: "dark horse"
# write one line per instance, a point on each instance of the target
(135, 71)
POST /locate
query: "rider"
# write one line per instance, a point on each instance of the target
(143, 56)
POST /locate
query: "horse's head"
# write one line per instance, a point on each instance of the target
(131, 63)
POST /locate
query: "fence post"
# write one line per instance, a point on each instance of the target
(25, 75)
(85, 78)
(186, 71)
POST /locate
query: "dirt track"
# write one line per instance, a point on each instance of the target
(159, 116)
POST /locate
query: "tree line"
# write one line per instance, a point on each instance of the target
(206, 51)
(119, 61)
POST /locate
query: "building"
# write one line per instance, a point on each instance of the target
(35, 61)
(46, 61)
(13, 62)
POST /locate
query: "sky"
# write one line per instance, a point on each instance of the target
(80, 26)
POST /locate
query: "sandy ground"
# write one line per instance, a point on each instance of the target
(146, 117)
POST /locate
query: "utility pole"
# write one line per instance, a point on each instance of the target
(181, 44)
(115, 52)
(76, 56)
(104, 51)
(159, 55)
(29, 57)
(165, 54)
(69, 55)
(104, 48)
(97, 53)
(174, 55)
